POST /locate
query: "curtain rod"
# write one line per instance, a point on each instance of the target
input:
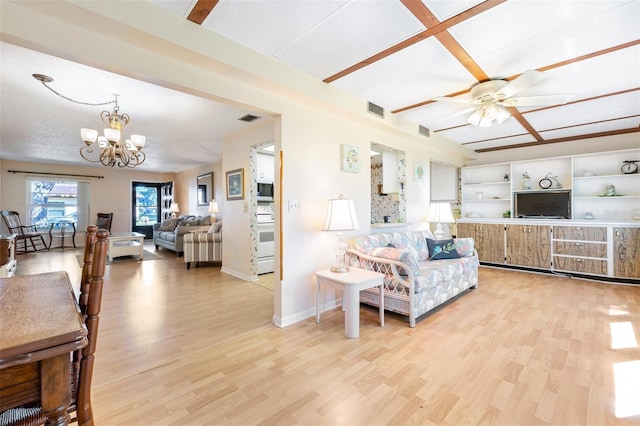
(55, 174)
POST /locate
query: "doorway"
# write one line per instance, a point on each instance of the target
(262, 172)
(150, 204)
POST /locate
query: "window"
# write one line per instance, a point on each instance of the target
(57, 201)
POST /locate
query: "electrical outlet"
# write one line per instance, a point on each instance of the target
(294, 206)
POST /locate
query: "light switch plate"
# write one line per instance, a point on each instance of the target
(294, 206)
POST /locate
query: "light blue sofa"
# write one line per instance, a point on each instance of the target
(413, 283)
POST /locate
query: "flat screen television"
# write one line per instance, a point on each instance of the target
(543, 204)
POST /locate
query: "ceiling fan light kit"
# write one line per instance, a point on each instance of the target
(493, 96)
(111, 151)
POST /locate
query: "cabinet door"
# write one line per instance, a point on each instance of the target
(488, 240)
(626, 252)
(529, 245)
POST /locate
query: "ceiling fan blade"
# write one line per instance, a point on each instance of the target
(537, 100)
(464, 111)
(456, 100)
(525, 80)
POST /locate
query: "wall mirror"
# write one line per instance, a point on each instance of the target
(205, 188)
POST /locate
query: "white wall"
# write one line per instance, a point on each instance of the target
(186, 191)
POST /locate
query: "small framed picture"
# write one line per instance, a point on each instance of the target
(350, 159)
(235, 184)
(418, 171)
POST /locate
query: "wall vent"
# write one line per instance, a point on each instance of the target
(424, 131)
(375, 109)
(248, 118)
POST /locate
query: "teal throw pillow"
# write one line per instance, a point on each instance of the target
(442, 249)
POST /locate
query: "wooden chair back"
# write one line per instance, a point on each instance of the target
(86, 267)
(25, 233)
(12, 221)
(84, 411)
(85, 277)
(104, 221)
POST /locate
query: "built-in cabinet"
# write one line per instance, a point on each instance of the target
(581, 249)
(566, 246)
(597, 184)
(528, 245)
(488, 238)
(265, 168)
(626, 252)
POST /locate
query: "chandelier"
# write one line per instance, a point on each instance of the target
(111, 150)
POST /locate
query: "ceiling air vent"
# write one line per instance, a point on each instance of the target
(375, 109)
(248, 118)
(424, 131)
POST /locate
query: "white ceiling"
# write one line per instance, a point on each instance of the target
(397, 54)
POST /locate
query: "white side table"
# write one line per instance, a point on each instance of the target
(351, 283)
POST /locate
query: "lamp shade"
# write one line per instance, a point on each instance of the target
(341, 215)
(89, 135)
(112, 135)
(174, 208)
(440, 213)
(213, 206)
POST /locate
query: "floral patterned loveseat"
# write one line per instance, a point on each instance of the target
(419, 274)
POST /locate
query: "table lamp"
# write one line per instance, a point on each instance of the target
(340, 217)
(439, 213)
(174, 210)
(213, 209)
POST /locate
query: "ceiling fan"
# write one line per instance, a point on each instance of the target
(493, 96)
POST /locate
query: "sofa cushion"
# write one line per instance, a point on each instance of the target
(464, 246)
(215, 227)
(442, 249)
(205, 221)
(401, 255)
(415, 241)
(193, 221)
(169, 225)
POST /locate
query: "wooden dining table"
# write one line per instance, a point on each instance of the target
(40, 326)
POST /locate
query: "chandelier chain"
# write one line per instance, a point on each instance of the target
(44, 82)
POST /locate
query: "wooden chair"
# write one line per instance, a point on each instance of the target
(27, 235)
(104, 221)
(90, 299)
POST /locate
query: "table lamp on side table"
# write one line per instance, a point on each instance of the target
(341, 216)
(213, 209)
(440, 213)
(174, 209)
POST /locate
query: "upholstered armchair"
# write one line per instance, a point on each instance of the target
(203, 246)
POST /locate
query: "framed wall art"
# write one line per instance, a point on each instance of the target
(418, 171)
(235, 184)
(350, 159)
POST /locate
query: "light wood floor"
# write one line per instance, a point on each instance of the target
(197, 347)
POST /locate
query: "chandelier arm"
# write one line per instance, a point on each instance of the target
(140, 157)
(88, 150)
